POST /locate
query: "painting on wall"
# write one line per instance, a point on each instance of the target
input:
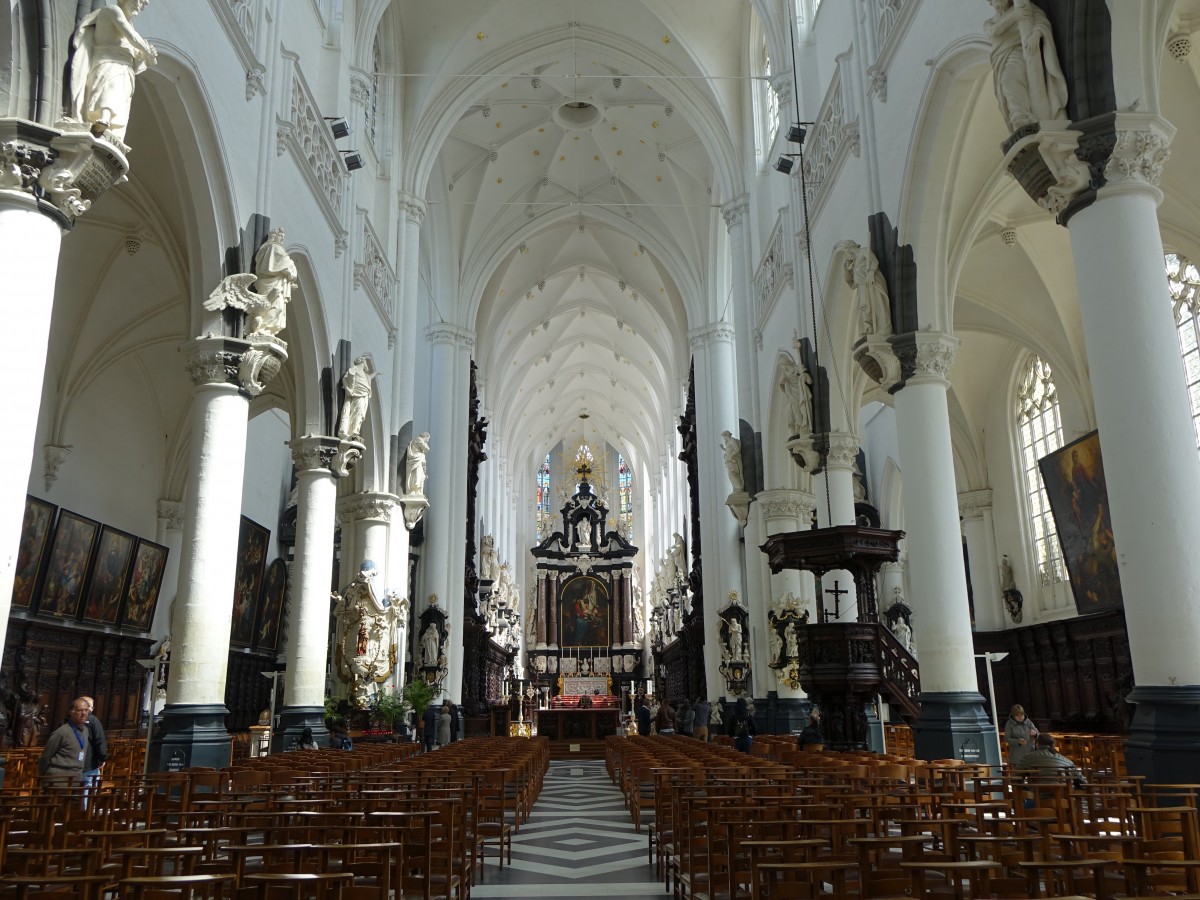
(102, 599)
(266, 634)
(251, 565)
(584, 613)
(141, 596)
(31, 553)
(70, 554)
(1075, 486)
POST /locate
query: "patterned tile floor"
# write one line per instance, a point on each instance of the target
(578, 842)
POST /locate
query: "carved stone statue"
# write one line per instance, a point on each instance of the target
(357, 382)
(276, 276)
(1008, 581)
(775, 645)
(489, 566)
(735, 639)
(796, 385)
(732, 448)
(862, 273)
(903, 632)
(109, 53)
(793, 641)
(364, 641)
(415, 467)
(1030, 85)
(431, 645)
(678, 561)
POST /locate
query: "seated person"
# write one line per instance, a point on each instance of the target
(1045, 760)
(811, 738)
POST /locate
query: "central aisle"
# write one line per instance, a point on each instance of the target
(578, 842)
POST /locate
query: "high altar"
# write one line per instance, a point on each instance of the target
(584, 640)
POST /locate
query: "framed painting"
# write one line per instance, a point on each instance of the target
(270, 608)
(70, 555)
(251, 565)
(106, 586)
(31, 553)
(1075, 486)
(584, 608)
(141, 595)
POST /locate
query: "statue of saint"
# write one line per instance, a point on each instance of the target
(903, 632)
(357, 382)
(793, 641)
(1029, 82)
(732, 448)
(109, 53)
(431, 645)
(275, 277)
(776, 645)
(677, 556)
(489, 567)
(735, 639)
(415, 467)
(796, 384)
(862, 273)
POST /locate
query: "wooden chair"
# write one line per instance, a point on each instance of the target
(297, 885)
(188, 887)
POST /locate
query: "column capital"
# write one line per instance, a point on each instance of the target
(787, 504)
(368, 506)
(173, 511)
(973, 504)
(1142, 148)
(445, 333)
(916, 356)
(713, 333)
(245, 365)
(734, 211)
(843, 451)
(71, 169)
(781, 84)
(413, 207)
(313, 451)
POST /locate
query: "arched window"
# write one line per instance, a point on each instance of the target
(772, 99)
(625, 493)
(1039, 426)
(545, 517)
(1184, 281)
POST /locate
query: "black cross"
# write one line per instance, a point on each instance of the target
(837, 592)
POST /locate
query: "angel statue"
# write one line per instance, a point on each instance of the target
(272, 281)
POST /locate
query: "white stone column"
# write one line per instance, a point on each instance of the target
(367, 515)
(837, 508)
(741, 271)
(1150, 461)
(169, 533)
(444, 521)
(193, 729)
(308, 624)
(952, 721)
(975, 508)
(29, 245)
(720, 535)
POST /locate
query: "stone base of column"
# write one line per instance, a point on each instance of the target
(292, 722)
(953, 725)
(190, 734)
(781, 715)
(1164, 738)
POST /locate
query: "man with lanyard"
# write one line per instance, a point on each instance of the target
(97, 751)
(63, 760)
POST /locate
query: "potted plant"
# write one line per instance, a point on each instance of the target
(333, 713)
(390, 707)
(419, 695)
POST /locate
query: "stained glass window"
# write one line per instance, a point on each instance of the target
(1039, 426)
(1184, 282)
(545, 516)
(625, 492)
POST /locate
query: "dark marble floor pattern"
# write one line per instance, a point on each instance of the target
(579, 842)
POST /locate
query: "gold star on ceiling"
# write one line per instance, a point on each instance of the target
(479, 36)
(654, 124)
(666, 38)
(562, 159)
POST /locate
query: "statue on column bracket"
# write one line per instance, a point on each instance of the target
(796, 384)
(489, 568)
(109, 53)
(272, 281)
(357, 383)
(1029, 82)
(1014, 602)
(415, 470)
(738, 501)
(860, 268)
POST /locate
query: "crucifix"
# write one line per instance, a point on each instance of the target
(837, 592)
